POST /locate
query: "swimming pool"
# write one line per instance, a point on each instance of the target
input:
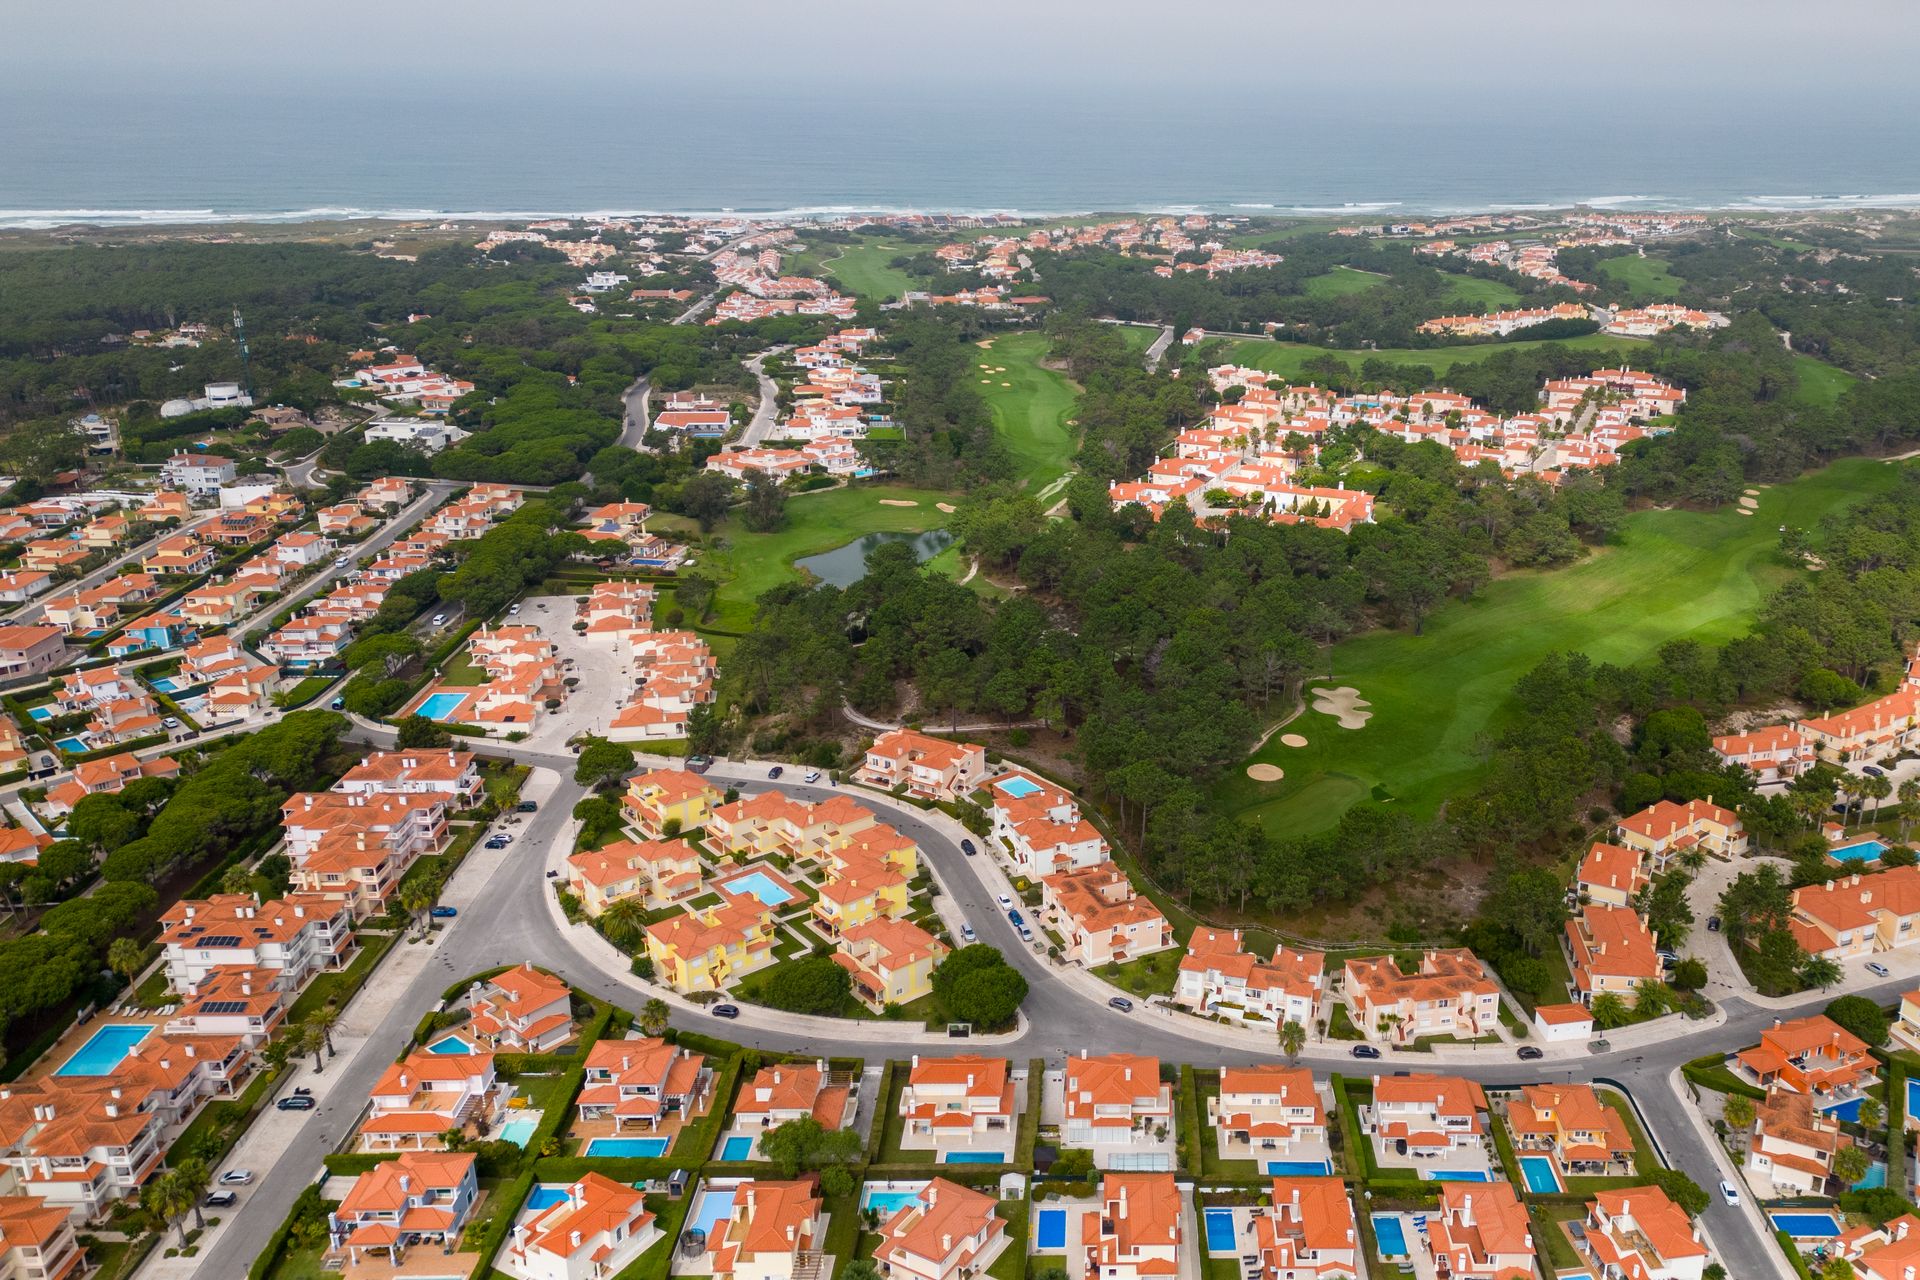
(1455, 1175)
(715, 1206)
(627, 1148)
(1050, 1229)
(1539, 1175)
(1864, 851)
(1393, 1240)
(452, 1044)
(440, 706)
(887, 1200)
(1876, 1177)
(104, 1049)
(760, 885)
(1221, 1236)
(72, 746)
(519, 1130)
(41, 713)
(738, 1147)
(974, 1157)
(1018, 787)
(1807, 1225)
(1298, 1168)
(166, 684)
(545, 1197)
(1848, 1110)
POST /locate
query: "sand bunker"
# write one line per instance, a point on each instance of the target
(1265, 772)
(1749, 503)
(1006, 384)
(898, 502)
(984, 343)
(945, 506)
(1344, 704)
(1746, 511)
(1292, 740)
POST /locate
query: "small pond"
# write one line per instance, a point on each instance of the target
(844, 566)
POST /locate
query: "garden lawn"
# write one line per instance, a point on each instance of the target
(753, 563)
(1487, 295)
(864, 269)
(1030, 413)
(1646, 279)
(1138, 337)
(1287, 358)
(1668, 574)
(1341, 281)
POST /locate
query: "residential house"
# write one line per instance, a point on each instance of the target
(1792, 1148)
(1431, 1114)
(1777, 753)
(108, 774)
(30, 650)
(930, 768)
(1857, 914)
(198, 474)
(641, 1083)
(1099, 916)
(963, 1099)
(1482, 1232)
(707, 949)
(234, 1000)
(426, 1095)
(452, 775)
(1219, 978)
(1668, 829)
(1813, 1055)
(946, 1232)
(1583, 1135)
(788, 1091)
(357, 845)
(656, 873)
(422, 1198)
(891, 961)
(180, 556)
(524, 1010)
(1451, 994)
(772, 1231)
(1136, 1235)
(1641, 1233)
(296, 937)
(1111, 1099)
(1879, 728)
(1269, 1113)
(1611, 874)
(1611, 952)
(1041, 825)
(37, 1241)
(1310, 1233)
(1906, 1026)
(597, 1229)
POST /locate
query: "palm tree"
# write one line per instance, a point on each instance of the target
(1738, 1110)
(322, 1020)
(1293, 1038)
(1909, 803)
(126, 958)
(416, 898)
(653, 1017)
(1877, 789)
(622, 922)
(194, 1181)
(1820, 971)
(1850, 1164)
(309, 1040)
(162, 1199)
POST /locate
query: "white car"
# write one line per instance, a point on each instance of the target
(513, 611)
(1006, 903)
(1728, 1194)
(813, 775)
(340, 562)
(236, 1178)
(966, 932)
(1878, 970)
(439, 619)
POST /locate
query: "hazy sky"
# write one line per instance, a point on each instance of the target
(1259, 48)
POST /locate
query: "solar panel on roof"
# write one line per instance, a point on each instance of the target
(224, 1006)
(221, 940)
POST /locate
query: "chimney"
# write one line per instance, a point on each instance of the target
(573, 1238)
(113, 1111)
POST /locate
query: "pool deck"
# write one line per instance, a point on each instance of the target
(1193, 1247)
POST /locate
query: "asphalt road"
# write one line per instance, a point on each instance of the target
(768, 409)
(508, 923)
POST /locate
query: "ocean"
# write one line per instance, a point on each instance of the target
(300, 151)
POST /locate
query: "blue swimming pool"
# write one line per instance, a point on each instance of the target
(518, 1131)
(738, 1147)
(104, 1049)
(1221, 1236)
(546, 1197)
(1298, 1168)
(1393, 1240)
(974, 1157)
(887, 1202)
(1050, 1229)
(714, 1207)
(72, 746)
(1455, 1175)
(760, 885)
(451, 1044)
(1876, 1177)
(1807, 1226)
(626, 1148)
(1539, 1175)
(1864, 851)
(41, 713)
(1018, 787)
(166, 684)
(440, 706)
(1848, 1111)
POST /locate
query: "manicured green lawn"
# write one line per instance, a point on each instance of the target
(1286, 358)
(752, 563)
(864, 270)
(1032, 408)
(1484, 295)
(1138, 337)
(1647, 279)
(1820, 383)
(1343, 280)
(1668, 574)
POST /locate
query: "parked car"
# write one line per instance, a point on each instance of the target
(1121, 1003)
(303, 1092)
(1713, 924)
(1006, 902)
(497, 842)
(526, 806)
(1364, 1051)
(1019, 921)
(336, 704)
(439, 619)
(298, 1102)
(340, 562)
(1873, 771)
(967, 934)
(170, 723)
(726, 1011)
(236, 1178)
(966, 847)
(776, 771)
(1728, 1193)
(513, 611)
(1026, 934)
(444, 913)
(699, 764)
(1877, 969)
(221, 1200)
(1531, 1053)
(813, 775)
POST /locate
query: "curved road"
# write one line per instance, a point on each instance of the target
(503, 919)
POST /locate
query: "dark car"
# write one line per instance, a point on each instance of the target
(221, 1200)
(1873, 772)
(726, 1011)
(699, 764)
(298, 1102)
(444, 913)
(966, 847)
(1018, 920)
(526, 806)
(1364, 1051)
(1121, 1003)
(1531, 1053)
(1713, 924)
(497, 842)
(337, 703)
(775, 772)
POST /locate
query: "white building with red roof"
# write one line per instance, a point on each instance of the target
(524, 1010)
(1642, 1234)
(1219, 978)
(928, 767)
(1270, 1112)
(1117, 1107)
(421, 1098)
(1776, 753)
(422, 1198)
(958, 1103)
(945, 1232)
(1482, 1232)
(1310, 1233)
(1041, 825)
(641, 1084)
(596, 1229)
(1421, 1120)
